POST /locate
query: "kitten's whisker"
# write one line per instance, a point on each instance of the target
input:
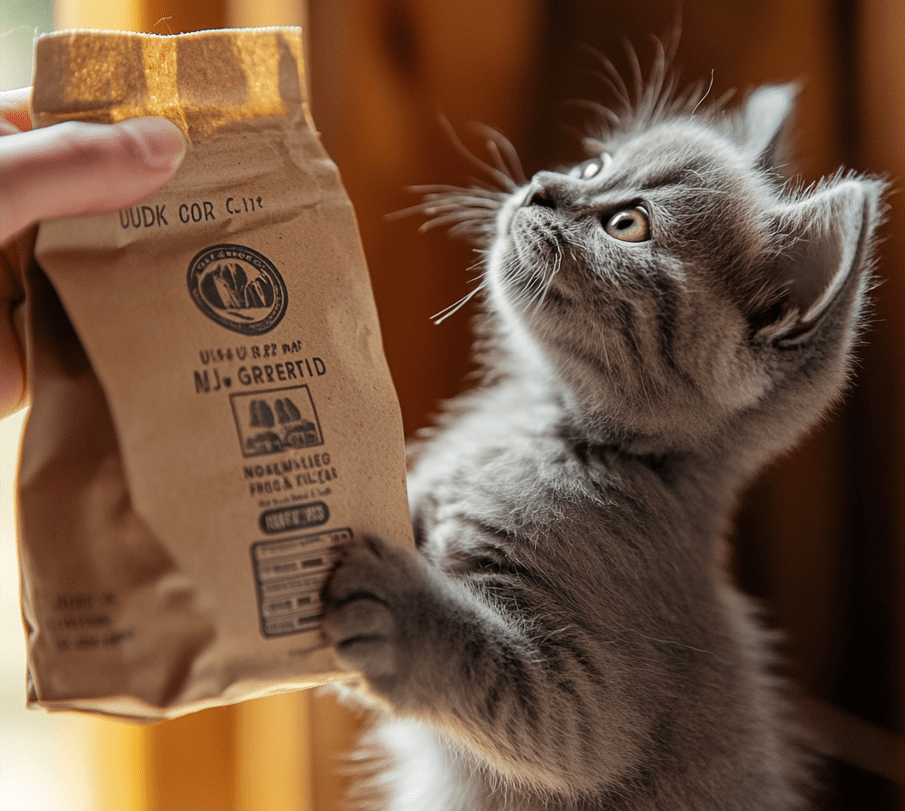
(462, 200)
(469, 211)
(456, 217)
(599, 109)
(608, 83)
(539, 284)
(464, 211)
(616, 82)
(476, 207)
(514, 272)
(446, 312)
(497, 157)
(418, 208)
(655, 99)
(508, 152)
(675, 36)
(723, 100)
(504, 181)
(473, 232)
(709, 88)
(637, 94)
(659, 67)
(549, 281)
(440, 188)
(668, 102)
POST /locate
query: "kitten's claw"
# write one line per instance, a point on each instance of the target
(363, 601)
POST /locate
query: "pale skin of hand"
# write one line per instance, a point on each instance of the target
(65, 170)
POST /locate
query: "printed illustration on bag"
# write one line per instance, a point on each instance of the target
(237, 287)
(276, 421)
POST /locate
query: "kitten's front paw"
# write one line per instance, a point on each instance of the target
(365, 603)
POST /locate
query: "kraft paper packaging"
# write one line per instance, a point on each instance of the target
(212, 412)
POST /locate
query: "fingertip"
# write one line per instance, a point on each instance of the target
(14, 110)
(158, 142)
(12, 361)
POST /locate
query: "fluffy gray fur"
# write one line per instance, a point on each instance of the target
(566, 636)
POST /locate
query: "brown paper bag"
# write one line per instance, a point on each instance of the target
(212, 412)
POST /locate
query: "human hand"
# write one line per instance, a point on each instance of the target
(65, 170)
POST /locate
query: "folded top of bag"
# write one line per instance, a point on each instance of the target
(200, 81)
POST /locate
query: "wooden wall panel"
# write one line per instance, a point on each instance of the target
(880, 418)
(380, 73)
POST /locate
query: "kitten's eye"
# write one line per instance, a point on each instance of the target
(585, 170)
(591, 167)
(629, 225)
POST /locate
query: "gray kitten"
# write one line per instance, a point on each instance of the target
(662, 321)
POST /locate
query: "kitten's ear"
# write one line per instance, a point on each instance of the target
(764, 118)
(832, 231)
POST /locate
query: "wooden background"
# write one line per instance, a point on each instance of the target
(821, 537)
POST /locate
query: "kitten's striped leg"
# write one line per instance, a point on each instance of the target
(433, 649)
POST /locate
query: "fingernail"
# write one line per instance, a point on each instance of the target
(160, 142)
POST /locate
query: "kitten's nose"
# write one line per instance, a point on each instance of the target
(538, 196)
(548, 189)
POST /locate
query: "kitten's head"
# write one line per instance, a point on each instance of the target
(674, 287)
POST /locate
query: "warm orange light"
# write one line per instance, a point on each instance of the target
(108, 15)
(250, 13)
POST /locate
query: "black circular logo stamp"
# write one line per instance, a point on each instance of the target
(238, 288)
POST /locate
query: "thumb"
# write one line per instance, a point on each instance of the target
(76, 168)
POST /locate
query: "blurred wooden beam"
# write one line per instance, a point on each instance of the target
(190, 762)
(101, 14)
(147, 16)
(255, 13)
(881, 70)
(274, 754)
(169, 17)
